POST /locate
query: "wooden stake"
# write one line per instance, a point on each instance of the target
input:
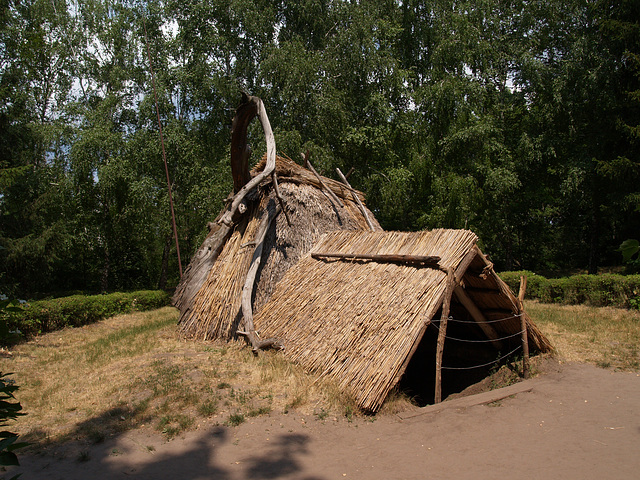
(332, 195)
(523, 326)
(446, 305)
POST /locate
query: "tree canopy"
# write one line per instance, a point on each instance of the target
(517, 119)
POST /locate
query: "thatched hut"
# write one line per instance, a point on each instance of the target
(214, 311)
(345, 299)
(361, 305)
(225, 280)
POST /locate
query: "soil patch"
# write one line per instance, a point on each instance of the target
(576, 421)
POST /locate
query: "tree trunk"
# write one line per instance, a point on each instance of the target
(593, 243)
(240, 150)
(164, 268)
(208, 252)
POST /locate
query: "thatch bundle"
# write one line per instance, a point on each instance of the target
(359, 321)
(214, 310)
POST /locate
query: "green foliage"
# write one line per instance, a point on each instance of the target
(614, 290)
(9, 410)
(629, 248)
(518, 120)
(48, 315)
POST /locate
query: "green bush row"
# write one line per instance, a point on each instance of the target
(48, 315)
(613, 290)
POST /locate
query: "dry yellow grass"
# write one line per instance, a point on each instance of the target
(134, 369)
(607, 337)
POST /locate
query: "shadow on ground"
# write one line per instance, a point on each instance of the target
(135, 454)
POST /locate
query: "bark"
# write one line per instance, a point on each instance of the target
(220, 231)
(247, 291)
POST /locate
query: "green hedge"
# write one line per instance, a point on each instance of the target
(48, 315)
(613, 290)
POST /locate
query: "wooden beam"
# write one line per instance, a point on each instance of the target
(483, 291)
(420, 260)
(464, 264)
(499, 312)
(357, 199)
(477, 315)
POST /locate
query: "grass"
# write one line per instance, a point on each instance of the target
(608, 337)
(132, 370)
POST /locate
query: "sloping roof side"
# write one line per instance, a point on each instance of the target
(358, 321)
(214, 312)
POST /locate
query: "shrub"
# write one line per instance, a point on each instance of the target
(48, 315)
(9, 410)
(595, 290)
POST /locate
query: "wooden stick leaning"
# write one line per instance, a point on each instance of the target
(356, 198)
(332, 195)
(247, 291)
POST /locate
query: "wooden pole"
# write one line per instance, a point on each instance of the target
(247, 290)
(419, 260)
(477, 315)
(523, 327)
(446, 305)
(164, 154)
(330, 193)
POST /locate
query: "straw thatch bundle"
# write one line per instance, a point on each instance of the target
(214, 311)
(359, 321)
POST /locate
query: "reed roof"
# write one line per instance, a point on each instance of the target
(214, 312)
(359, 321)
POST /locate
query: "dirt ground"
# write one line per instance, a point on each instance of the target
(575, 422)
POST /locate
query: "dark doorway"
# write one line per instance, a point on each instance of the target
(467, 359)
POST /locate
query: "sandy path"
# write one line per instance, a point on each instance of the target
(580, 422)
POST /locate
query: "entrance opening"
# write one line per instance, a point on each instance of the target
(467, 359)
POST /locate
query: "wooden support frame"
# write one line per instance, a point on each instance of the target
(413, 260)
(442, 333)
(477, 315)
(523, 320)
